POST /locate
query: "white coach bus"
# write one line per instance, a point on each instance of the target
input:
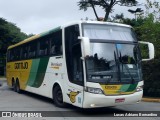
(86, 63)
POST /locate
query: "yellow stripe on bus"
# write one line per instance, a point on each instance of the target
(19, 70)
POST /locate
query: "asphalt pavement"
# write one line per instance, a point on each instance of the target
(27, 102)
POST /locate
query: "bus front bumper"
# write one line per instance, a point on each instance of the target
(98, 100)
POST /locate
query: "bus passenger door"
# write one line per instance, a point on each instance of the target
(75, 80)
(75, 75)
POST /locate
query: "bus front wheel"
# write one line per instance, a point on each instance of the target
(58, 97)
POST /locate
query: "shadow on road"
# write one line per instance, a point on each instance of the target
(72, 111)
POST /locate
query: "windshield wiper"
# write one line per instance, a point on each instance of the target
(132, 79)
(117, 64)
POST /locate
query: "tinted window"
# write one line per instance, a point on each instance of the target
(56, 43)
(73, 54)
(24, 52)
(32, 49)
(43, 47)
(49, 45)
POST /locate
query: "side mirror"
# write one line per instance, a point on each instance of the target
(150, 50)
(85, 45)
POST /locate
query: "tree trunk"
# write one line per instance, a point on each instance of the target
(108, 9)
(106, 15)
(95, 11)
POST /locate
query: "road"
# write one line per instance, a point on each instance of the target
(12, 101)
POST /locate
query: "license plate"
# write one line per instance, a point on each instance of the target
(119, 100)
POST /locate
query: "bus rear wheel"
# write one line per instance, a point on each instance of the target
(14, 85)
(17, 87)
(58, 97)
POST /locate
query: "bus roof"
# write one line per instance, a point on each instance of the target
(96, 22)
(35, 37)
(65, 25)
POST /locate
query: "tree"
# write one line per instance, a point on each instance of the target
(107, 5)
(118, 18)
(9, 34)
(153, 7)
(138, 10)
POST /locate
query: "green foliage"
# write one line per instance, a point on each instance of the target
(106, 5)
(9, 34)
(144, 51)
(147, 28)
(149, 31)
(151, 75)
(153, 7)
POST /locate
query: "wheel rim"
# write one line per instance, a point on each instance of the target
(17, 86)
(59, 96)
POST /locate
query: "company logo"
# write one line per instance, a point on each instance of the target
(111, 87)
(72, 95)
(21, 65)
(56, 65)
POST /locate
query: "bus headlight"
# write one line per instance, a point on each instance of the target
(139, 88)
(94, 90)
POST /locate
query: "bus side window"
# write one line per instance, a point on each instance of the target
(52, 48)
(24, 52)
(32, 49)
(17, 53)
(8, 56)
(73, 55)
(11, 55)
(56, 43)
(77, 67)
(43, 47)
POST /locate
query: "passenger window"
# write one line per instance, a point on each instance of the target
(32, 50)
(24, 52)
(17, 53)
(56, 43)
(8, 56)
(73, 55)
(43, 47)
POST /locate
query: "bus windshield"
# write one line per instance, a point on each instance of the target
(113, 63)
(108, 32)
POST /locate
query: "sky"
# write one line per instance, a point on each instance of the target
(36, 16)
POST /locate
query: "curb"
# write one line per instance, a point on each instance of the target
(150, 99)
(2, 79)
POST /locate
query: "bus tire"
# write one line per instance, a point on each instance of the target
(14, 85)
(18, 90)
(58, 97)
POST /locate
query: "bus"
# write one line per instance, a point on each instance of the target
(88, 64)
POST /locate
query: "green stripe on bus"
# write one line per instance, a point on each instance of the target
(49, 32)
(41, 72)
(132, 87)
(34, 69)
(124, 88)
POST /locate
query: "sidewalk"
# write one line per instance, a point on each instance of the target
(145, 99)
(2, 78)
